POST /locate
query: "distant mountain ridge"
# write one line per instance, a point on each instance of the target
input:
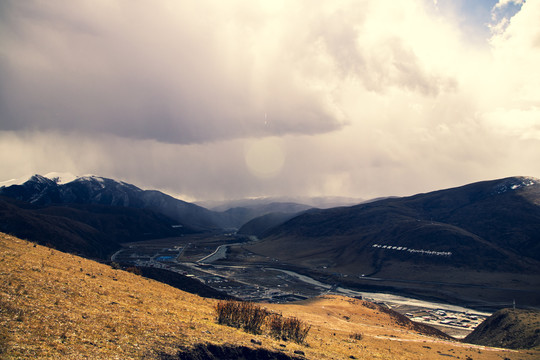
(321, 202)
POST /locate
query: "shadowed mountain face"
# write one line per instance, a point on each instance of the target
(91, 230)
(491, 226)
(92, 215)
(39, 190)
(42, 191)
(509, 328)
(260, 225)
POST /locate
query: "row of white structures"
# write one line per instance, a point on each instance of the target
(413, 251)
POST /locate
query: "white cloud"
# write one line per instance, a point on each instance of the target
(501, 13)
(513, 79)
(503, 3)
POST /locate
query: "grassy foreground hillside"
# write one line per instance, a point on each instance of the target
(57, 305)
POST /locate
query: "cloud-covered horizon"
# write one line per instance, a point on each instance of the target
(212, 99)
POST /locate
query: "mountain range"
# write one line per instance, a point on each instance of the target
(484, 234)
(92, 215)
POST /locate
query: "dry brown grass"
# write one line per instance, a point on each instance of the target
(56, 305)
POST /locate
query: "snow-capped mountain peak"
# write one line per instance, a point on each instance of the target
(61, 177)
(40, 179)
(17, 181)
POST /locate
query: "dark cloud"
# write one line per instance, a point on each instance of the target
(153, 74)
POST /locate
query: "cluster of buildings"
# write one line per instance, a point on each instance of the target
(447, 318)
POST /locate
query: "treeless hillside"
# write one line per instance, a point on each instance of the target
(480, 241)
(57, 305)
(510, 328)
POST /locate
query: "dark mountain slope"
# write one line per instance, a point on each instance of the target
(260, 225)
(91, 230)
(91, 215)
(36, 189)
(505, 212)
(508, 328)
(244, 214)
(477, 244)
(184, 283)
(493, 225)
(56, 231)
(40, 190)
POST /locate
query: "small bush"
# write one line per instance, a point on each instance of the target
(275, 325)
(245, 315)
(11, 310)
(227, 313)
(252, 318)
(356, 336)
(295, 329)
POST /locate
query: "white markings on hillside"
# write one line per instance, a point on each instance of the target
(412, 251)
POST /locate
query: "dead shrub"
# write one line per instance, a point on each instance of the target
(251, 317)
(275, 325)
(245, 315)
(226, 312)
(295, 329)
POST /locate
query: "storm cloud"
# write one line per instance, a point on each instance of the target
(212, 99)
(179, 72)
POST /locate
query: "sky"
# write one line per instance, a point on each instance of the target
(212, 100)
